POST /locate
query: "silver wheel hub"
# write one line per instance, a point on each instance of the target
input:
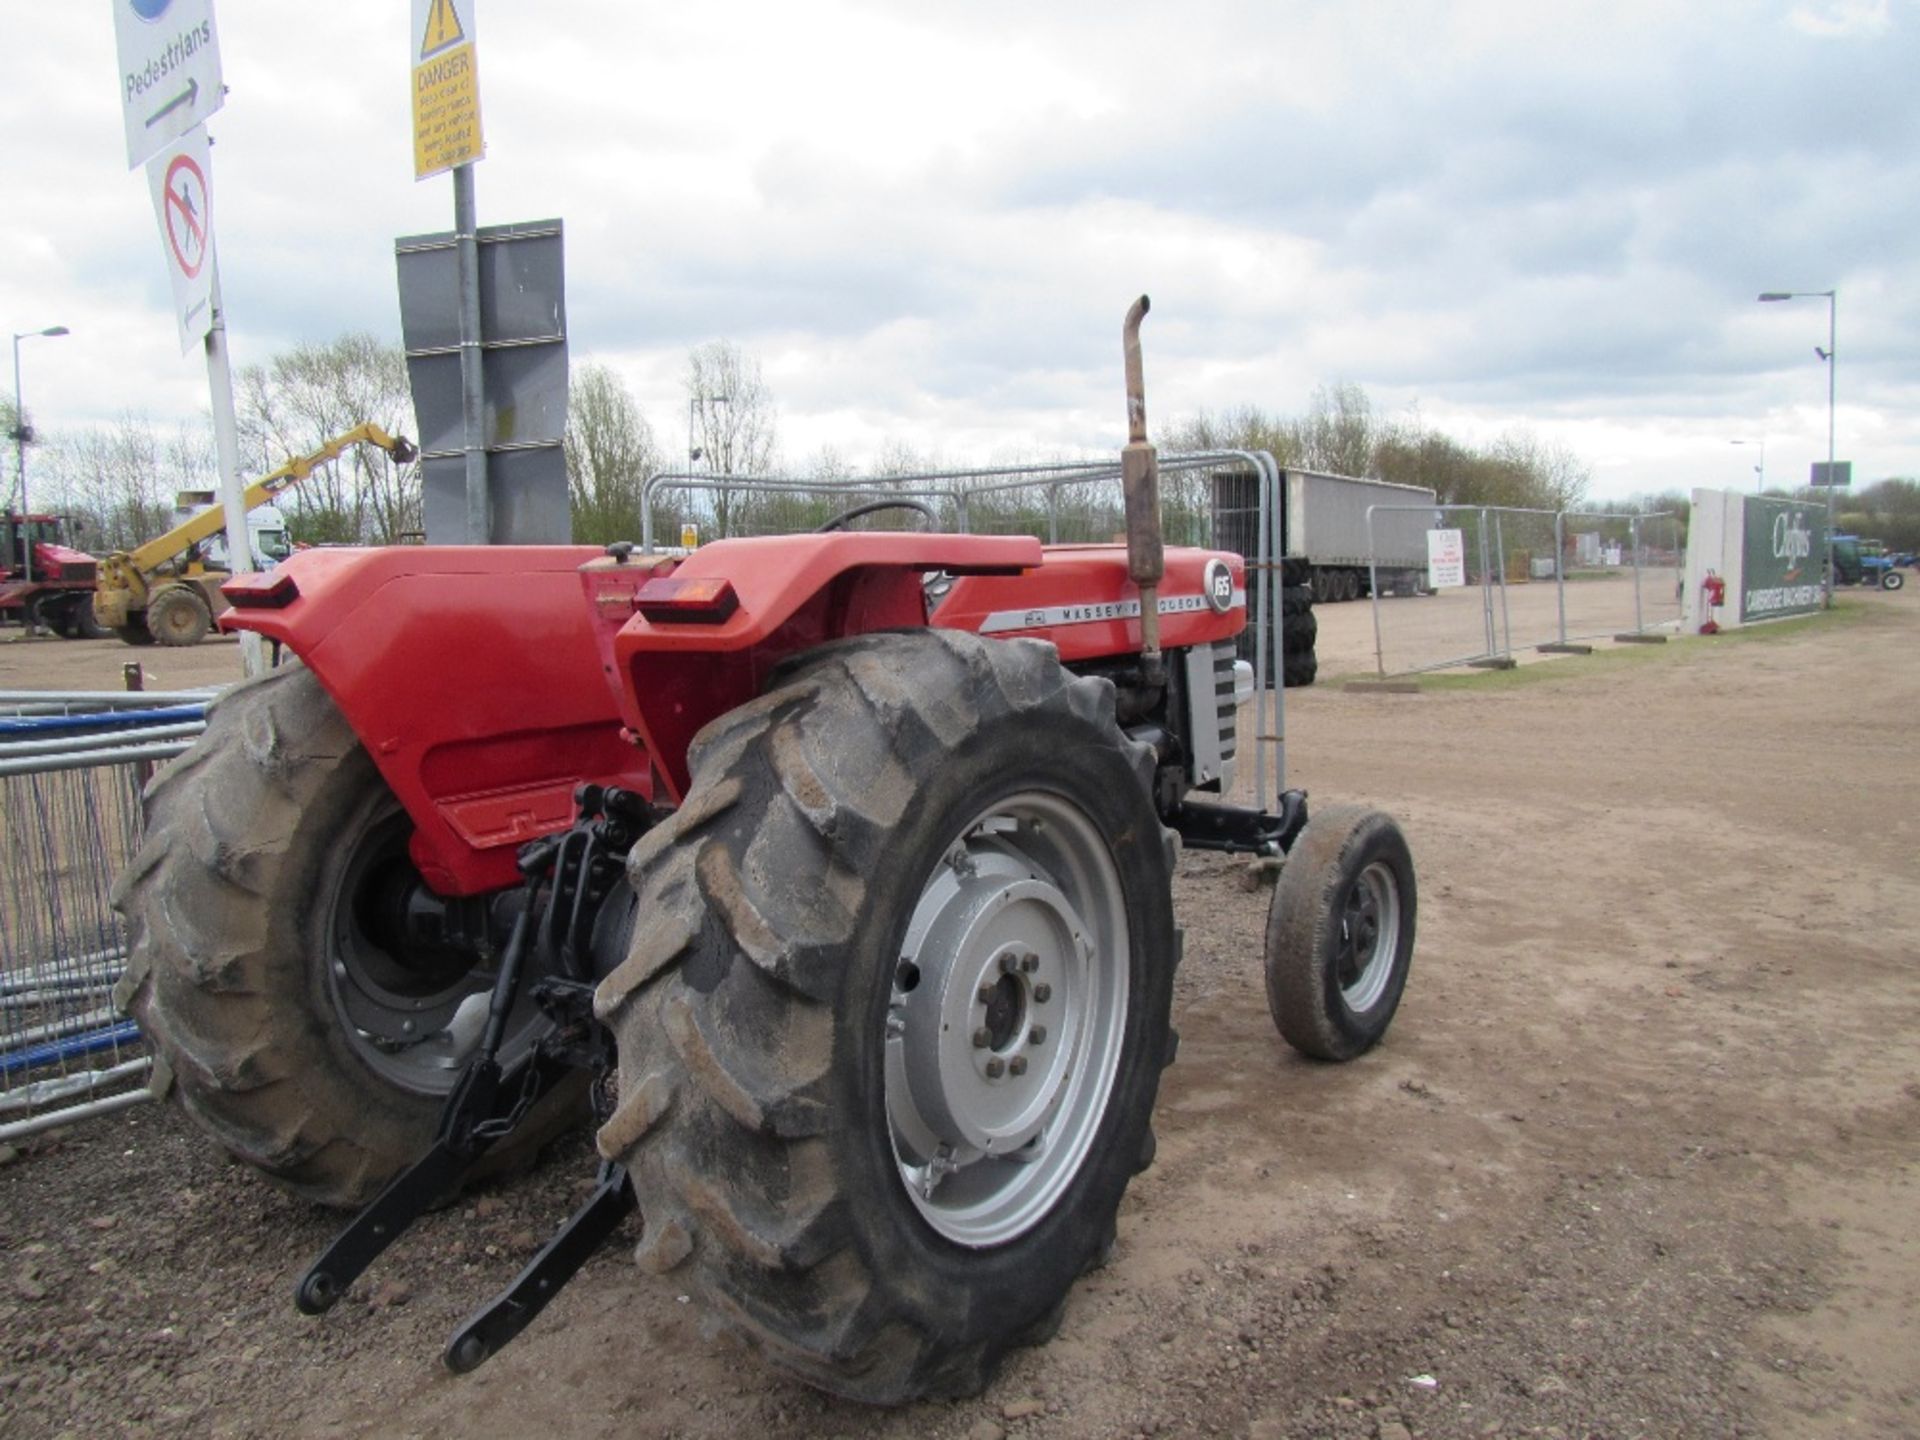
(1005, 1023)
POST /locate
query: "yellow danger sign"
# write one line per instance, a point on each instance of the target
(443, 29)
(446, 87)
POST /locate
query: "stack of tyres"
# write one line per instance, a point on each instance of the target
(1299, 629)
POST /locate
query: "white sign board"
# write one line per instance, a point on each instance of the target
(1446, 560)
(169, 71)
(180, 177)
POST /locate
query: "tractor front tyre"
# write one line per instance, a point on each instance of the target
(891, 1035)
(303, 1040)
(1340, 933)
(1892, 580)
(178, 616)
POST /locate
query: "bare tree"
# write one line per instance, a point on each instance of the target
(610, 452)
(305, 396)
(733, 424)
(121, 480)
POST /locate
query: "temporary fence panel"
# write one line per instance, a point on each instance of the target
(71, 770)
(1532, 578)
(1623, 573)
(1460, 621)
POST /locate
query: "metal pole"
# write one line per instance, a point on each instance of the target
(226, 445)
(1500, 555)
(1633, 536)
(1373, 584)
(1560, 568)
(20, 454)
(20, 470)
(1833, 365)
(1486, 588)
(473, 393)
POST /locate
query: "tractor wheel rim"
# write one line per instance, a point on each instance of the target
(1007, 1019)
(395, 1017)
(1369, 936)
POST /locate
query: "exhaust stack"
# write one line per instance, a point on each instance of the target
(1140, 477)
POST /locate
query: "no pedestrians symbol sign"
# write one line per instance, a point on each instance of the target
(183, 203)
(446, 87)
(169, 71)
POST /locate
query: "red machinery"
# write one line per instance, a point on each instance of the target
(44, 580)
(831, 873)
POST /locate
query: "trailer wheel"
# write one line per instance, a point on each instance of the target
(1340, 933)
(178, 616)
(302, 1043)
(889, 1046)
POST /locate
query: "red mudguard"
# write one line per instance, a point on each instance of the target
(488, 682)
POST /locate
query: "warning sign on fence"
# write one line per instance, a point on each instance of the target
(1446, 560)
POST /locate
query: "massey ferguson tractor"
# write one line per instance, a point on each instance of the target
(828, 875)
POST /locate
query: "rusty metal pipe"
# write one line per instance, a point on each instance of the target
(1140, 477)
(1136, 379)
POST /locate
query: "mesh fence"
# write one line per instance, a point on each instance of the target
(71, 771)
(1531, 578)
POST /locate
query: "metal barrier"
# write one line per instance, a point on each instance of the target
(71, 769)
(1532, 579)
(1223, 499)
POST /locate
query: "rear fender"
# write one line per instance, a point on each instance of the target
(473, 677)
(793, 592)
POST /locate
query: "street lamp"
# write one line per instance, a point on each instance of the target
(20, 435)
(1832, 297)
(1760, 469)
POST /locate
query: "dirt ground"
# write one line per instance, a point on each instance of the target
(1640, 1156)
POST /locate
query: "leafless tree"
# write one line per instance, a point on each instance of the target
(610, 452)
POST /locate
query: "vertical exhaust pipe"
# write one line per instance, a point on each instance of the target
(1140, 477)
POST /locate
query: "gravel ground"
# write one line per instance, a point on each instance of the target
(1640, 1157)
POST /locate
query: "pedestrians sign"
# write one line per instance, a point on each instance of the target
(169, 71)
(183, 202)
(446, 87)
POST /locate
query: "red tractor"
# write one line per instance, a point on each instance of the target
(831, 874)
(43, 580)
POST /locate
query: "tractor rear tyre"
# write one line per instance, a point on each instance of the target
(1340, 933)
(302, 1043)
(86, 625)
(178, 616)
(890, 1040)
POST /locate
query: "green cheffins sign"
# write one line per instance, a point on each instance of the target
(1785, 547)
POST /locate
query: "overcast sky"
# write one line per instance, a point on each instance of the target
(927, 221)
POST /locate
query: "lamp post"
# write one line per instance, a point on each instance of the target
(1761, 469)
(20, 433)
(1832, 297)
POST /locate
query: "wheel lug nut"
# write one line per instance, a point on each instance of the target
(1037, 1035)
(1017, 1065)
(1029, 962)
(984, 995)
(996, 1067)
(1042, 993)
(1006, 964)
(982, 1038)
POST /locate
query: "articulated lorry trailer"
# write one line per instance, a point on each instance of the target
(1325, 524)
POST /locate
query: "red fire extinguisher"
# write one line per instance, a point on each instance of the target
(1713, 594)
